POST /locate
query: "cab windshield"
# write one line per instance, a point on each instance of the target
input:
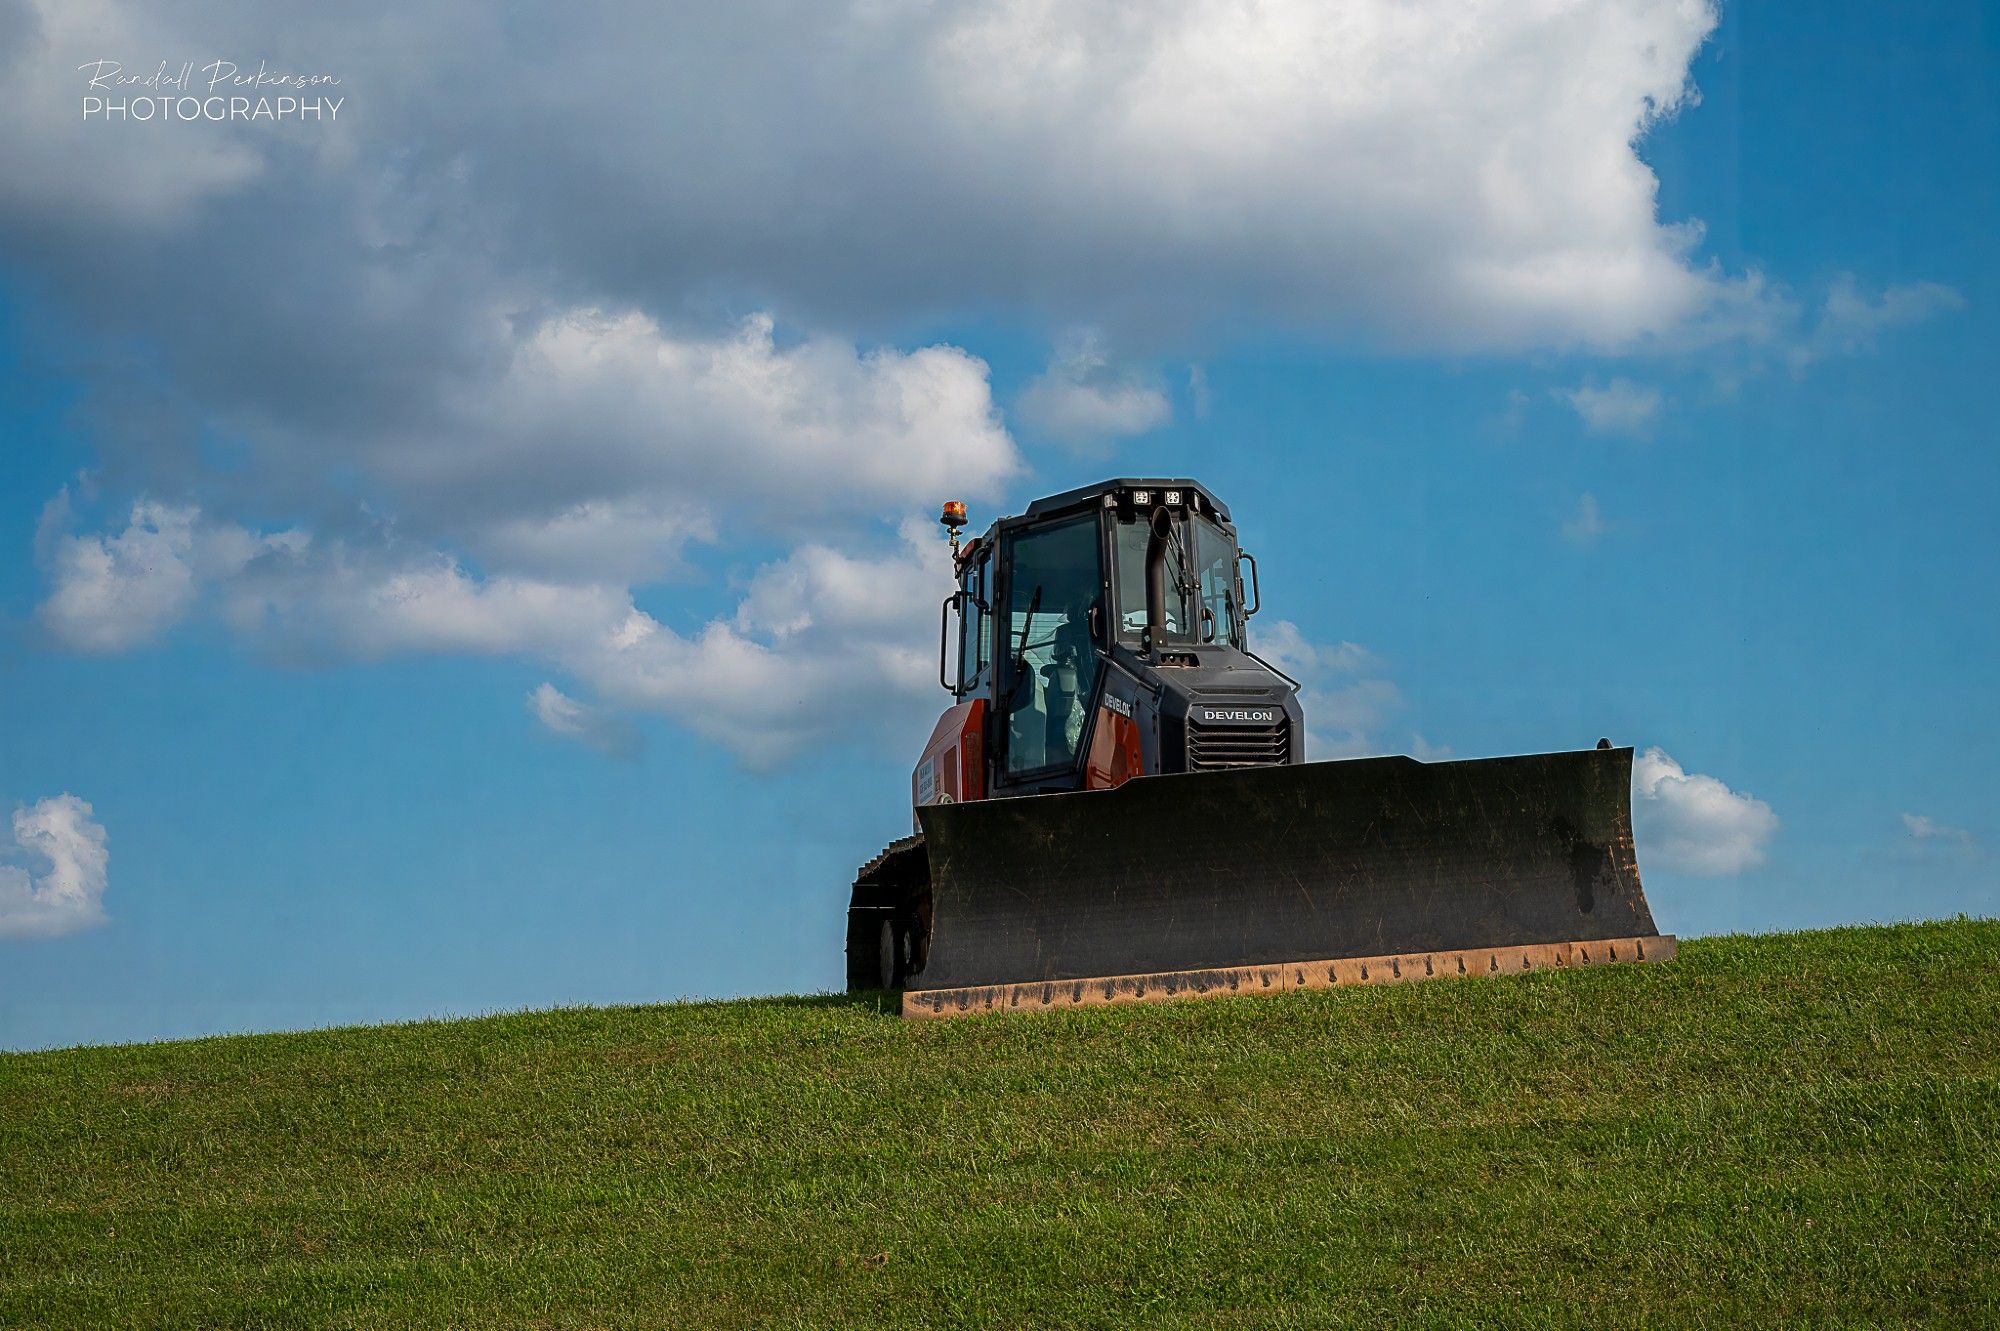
(1203, 604)
(1130, 546)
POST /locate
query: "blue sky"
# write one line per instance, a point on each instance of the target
(1740, 507)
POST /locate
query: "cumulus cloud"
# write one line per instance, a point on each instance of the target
(129, 176)
(635, 538)
(600, 446)
(598, 449)
(62, 888)
(1343, 689)
(622, 422)
(1695, 823)
(1586, 524)
(823, 642)
(1081, 399)
(1619, 407)
(584, 467)
(1436, 174)
(113, 592)
(109, 593)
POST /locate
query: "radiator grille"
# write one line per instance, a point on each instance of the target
(1217, 748)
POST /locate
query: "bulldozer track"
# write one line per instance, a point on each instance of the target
(890, 851)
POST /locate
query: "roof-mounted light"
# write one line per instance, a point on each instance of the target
(953, 518)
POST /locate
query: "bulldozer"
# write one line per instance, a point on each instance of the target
(1118, 806)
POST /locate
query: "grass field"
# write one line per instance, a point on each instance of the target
(1800, 1128)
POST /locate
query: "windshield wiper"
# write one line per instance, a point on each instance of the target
(1021, 651)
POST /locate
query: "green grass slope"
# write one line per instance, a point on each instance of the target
(1800, 1128)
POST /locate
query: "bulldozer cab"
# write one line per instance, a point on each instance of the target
(1050, 602)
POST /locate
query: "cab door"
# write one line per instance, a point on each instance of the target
(1046, 627)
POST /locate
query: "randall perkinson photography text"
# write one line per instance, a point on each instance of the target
(219, 90)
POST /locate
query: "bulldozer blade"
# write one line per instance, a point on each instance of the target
(1283, 877)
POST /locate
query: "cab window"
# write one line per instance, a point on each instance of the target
(1221, 610)
(1129, 545)
(1046, 641)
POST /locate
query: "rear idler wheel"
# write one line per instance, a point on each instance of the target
(867, 954)
(889, 953)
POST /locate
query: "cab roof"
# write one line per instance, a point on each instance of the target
(1093, 494)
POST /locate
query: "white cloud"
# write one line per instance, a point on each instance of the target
(1850, 322)
(112, 593)
(628, 424)
(109, 593)
(1342, 690)
(1426, 752)
(824, 641)
(634, 538)
(1515, 414)
(1922, 827)
(1285, 645)
(1695, 823)
(1342, 719)
(68, 893)
(1081, 399)
(659, 423)
(1441, 172)
(1584, 526)
(1619, 407)
(58, 168)
(327, 600)
(594, 448)
(598, 447)
(1190, 138)
(591, 726)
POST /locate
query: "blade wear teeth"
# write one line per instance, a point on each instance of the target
(1312, 975)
